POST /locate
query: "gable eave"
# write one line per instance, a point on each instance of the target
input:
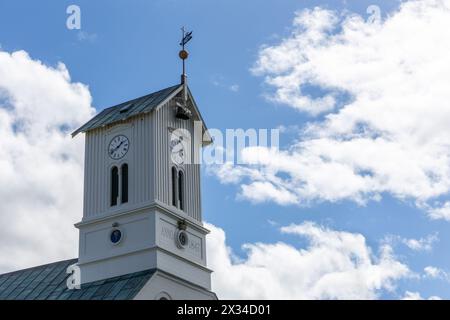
(208, 139)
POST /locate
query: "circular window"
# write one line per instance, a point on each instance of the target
(116, 236)
(182, 239)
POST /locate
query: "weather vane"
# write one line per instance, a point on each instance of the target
(183, 111)
(185, 38)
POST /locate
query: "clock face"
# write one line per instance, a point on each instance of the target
(115, 236)
(177, 152)
(118, 147)
(181, 239)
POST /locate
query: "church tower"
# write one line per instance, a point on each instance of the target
(142, 203)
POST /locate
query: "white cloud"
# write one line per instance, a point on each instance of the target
(432, 272)
(41, 179)
(422, 244)
(412, 296)
(440, 211)
(234, 87)
(390, 136)
(266, 192)
(416, 296)
(335, 265)
(285, 65)
(435, 273)
(40, 165)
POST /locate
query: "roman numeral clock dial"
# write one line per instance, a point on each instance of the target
(118, 147)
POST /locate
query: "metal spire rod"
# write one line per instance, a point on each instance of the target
(182, 49)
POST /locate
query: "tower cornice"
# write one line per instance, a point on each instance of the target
(176, 214)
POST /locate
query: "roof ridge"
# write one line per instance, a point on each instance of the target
(138, 98)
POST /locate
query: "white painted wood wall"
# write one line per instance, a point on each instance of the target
(149, 165)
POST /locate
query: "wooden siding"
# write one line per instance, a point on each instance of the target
(164, 118)
(149, 164)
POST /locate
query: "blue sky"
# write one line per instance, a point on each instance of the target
(130, 49)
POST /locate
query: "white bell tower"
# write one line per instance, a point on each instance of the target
(142, 203)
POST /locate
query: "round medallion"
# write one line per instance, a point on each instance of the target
(181, 239)
(115, 236)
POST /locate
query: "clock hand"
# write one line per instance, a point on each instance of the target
(120, 144)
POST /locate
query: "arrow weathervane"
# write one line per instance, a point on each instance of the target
(186, 37)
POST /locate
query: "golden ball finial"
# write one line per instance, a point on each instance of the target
(183, 54)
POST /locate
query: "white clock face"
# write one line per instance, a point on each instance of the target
(118, 147)
(177, 152)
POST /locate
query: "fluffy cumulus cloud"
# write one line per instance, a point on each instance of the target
(382, 90)
(41, 167)
(334, 265)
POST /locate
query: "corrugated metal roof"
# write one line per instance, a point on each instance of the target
(127, 109)
(48, 282)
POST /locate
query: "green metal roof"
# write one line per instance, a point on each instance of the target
(48, 282)
(127, 109)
